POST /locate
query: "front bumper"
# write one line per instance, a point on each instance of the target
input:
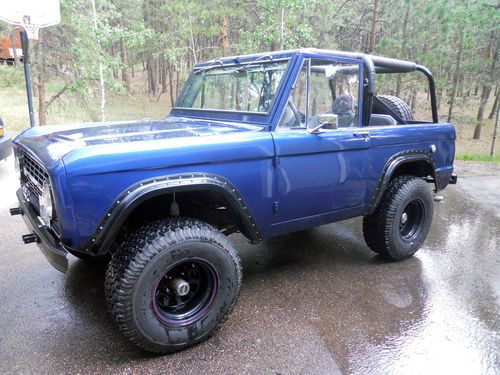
(5, 146)
(53, 250)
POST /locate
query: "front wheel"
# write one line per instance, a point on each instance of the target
(172, 283)
(401, 222)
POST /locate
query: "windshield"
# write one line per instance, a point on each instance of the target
(240, 88)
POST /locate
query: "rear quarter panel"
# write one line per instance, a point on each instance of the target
(387, 141)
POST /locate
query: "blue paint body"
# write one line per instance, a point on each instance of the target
(313, 178)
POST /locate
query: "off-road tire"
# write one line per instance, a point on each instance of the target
(398, 106)
(384, 230)
(133, 275)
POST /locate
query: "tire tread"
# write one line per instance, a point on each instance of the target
(377, 227)
(137, 251)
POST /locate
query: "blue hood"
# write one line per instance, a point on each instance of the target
(52, 143)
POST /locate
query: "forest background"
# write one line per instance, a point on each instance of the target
(147, 48)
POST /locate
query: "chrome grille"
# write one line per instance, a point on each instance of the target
(33, 175)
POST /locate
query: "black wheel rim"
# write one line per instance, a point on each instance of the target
(185, 292)
(411, 220)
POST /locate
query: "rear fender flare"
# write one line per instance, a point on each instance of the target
(393, 164)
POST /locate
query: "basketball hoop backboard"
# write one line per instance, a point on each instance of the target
(31, 15)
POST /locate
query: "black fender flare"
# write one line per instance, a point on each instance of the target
(390, 167)
(140, 192)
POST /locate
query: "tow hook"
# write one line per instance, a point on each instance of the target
(16, 211)
(438, 198)
(29, 238)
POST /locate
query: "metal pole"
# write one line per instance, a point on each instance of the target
(26, 61)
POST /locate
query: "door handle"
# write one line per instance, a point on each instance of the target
(364, 135)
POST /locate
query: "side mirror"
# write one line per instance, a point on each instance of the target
(329, 120)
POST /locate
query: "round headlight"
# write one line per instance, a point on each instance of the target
(17, 166)
(46, 205)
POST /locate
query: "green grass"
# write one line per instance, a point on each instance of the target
(474, 157)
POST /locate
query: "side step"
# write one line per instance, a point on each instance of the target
(30, 238)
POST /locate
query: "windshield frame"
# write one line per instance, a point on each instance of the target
(251, 117)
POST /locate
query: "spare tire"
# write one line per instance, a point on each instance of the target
(398, 106)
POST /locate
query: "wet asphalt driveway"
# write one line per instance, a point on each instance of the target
(314, 302)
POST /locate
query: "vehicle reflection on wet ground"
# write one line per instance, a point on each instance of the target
(316, 301)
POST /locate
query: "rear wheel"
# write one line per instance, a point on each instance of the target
(172, 283)
(401, 222)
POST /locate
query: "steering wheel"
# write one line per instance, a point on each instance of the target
(299, 116)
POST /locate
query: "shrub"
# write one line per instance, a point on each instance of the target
(11, 76)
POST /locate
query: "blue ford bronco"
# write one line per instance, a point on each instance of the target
(262, 144)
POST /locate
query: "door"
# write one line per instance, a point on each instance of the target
(322, 176)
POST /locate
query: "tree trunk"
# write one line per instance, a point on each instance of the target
(403, 45)
(495, 104)
(101, 67)
(493, 55)
(164, 82)
(171, 85)
(159, 76)
(124, 56)
(151, 71)
(224, 38)
(485, 94)
(177, 79)
(457, 75)
(42, 109)
(41, 78)
(460, 87)
(371, 46)
(282, 28)
(112, 53)
(495, 133)
(413, 100)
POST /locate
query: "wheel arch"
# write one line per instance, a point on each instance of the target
(132, 199)
(413, 162)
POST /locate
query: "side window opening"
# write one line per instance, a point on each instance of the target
(294, 115)
(334, 89)
(402, 96)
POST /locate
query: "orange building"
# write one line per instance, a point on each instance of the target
(7, 45)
